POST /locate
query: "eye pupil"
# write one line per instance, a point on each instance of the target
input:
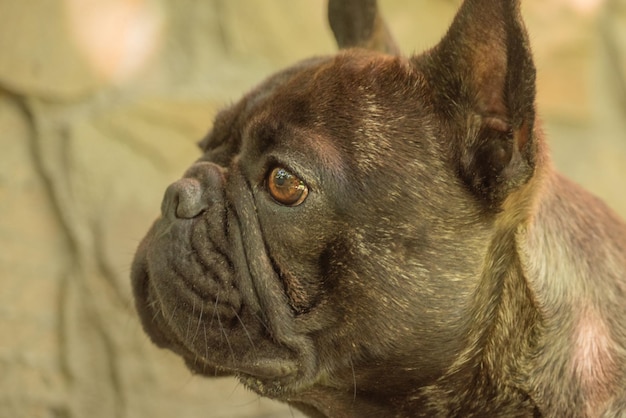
(281, 177)
(286, 188)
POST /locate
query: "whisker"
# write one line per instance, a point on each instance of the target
(217, 299)
(262, 321)
(157, 310)
(234, 390)
(170, 321)
(193, 312)
(245, 330)
(206, 345)
(199, 322)
(230, 348)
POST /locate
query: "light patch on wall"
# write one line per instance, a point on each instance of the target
(586, 6)
(118, 38)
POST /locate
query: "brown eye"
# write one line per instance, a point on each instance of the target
(286, 188)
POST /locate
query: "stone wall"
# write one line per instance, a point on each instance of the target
(101, 104)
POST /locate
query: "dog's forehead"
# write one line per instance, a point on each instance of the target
(332, 84)
(335, 97)
(351, 104)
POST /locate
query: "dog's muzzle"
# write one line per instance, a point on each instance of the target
(192, 286)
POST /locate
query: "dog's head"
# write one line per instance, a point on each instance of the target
(334, 232)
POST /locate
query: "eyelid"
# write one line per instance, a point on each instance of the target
(296, 169)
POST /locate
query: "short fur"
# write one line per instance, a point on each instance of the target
(439, 265)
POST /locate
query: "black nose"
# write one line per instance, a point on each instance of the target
(190, 196)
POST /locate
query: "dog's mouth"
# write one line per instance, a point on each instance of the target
(203, 348)
(191, 301)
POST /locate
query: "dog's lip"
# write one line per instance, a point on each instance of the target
(268, 368)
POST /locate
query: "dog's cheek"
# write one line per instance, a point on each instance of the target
(298, 241)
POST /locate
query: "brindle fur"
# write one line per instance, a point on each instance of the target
(439, 266)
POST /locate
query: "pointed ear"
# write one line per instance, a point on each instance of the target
(358, 23)
(484, 77)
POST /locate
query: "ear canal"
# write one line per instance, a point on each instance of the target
(358, 23)
(483, 75)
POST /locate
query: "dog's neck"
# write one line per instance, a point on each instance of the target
(508, 326)
(511, 321)
(547, 294)
(572, 260)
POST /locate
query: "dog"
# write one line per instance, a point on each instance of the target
(373, 235)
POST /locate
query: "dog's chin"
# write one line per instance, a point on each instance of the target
(252, 374)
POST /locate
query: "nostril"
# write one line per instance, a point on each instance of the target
(184, 199)
(200, 188)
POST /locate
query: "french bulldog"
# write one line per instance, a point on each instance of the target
(373, 235)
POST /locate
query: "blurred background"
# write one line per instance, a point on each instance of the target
(101, 105)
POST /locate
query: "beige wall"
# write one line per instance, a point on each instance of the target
(101, 103)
